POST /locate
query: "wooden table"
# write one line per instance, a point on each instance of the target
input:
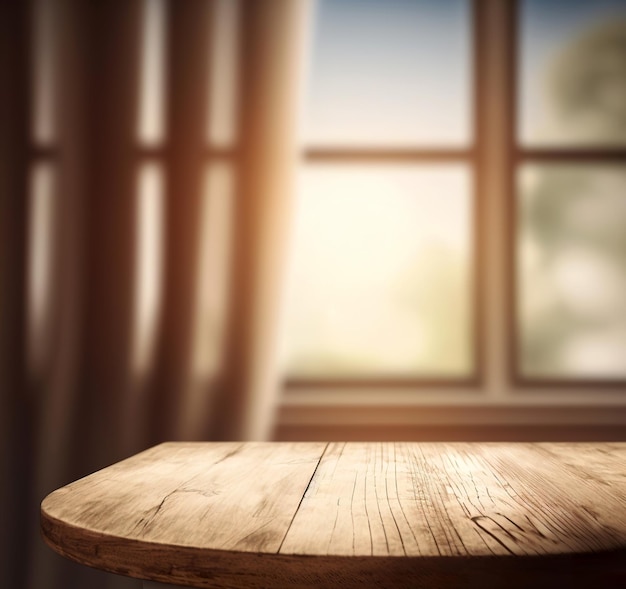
(352, 514)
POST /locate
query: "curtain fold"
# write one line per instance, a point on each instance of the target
(16, 406)
(274, 33)
(90, 407)
(189, 30)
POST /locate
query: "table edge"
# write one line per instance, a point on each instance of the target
(200, 567)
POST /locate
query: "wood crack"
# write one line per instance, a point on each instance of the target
(302, 499)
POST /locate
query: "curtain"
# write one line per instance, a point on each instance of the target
(99, 350)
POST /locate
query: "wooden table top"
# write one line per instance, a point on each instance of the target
(351, 514)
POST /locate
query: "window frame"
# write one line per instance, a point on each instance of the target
(494, 157)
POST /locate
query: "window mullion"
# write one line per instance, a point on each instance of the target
(495, 41)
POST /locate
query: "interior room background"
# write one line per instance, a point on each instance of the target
(299, 219)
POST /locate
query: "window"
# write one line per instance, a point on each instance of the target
(382, 286)
(150, 133)
(169, 151)
(457, 151)
(43, 184)
(571, 191)
(461, 213)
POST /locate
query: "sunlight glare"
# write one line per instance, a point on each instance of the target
(380, 277)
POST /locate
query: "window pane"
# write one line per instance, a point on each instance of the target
(223, 73)
(45, 71)
(212, 294)
(151, 120)
(41, 251)
(149, 247)
(573, 72)
(380, 283)
(572, 271)
(390, 72)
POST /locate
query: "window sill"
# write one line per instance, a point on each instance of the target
(460, 407)
(516, 420)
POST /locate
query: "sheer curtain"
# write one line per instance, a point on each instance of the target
(143, 239)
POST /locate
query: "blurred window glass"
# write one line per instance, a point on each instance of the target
(572, 270)
(573, 72)
(571, 203)
(390, 73)
(382, 271)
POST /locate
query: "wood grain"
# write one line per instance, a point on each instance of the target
(224, 496)
(352, 514)
(457, 499)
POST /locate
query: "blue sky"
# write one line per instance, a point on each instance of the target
(390, 72)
